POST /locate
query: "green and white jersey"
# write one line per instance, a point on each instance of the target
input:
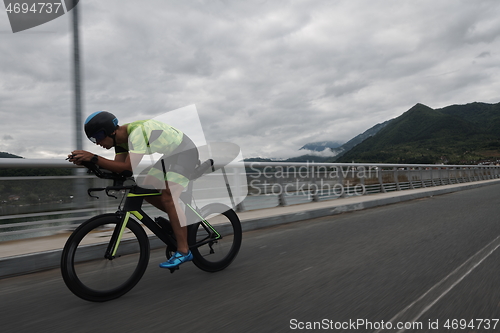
(150, 136)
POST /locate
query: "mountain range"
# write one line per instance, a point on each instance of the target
(456, 134)
(322, 145)
(340, 151)
(338, 148)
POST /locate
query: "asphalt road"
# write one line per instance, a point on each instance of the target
(425, 261)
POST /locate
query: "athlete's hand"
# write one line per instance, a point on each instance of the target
(80, 156)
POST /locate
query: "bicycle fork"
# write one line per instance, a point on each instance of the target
(117, 235)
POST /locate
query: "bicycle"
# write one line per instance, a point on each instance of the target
(107, 255)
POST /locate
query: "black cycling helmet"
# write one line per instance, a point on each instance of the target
(99, 125)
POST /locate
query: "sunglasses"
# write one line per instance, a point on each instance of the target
(98, 137)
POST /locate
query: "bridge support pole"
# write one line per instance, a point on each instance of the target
(396, 178)
(281, 195)
(381, 180)
(421, 171)
(316, 189)
(410, 178)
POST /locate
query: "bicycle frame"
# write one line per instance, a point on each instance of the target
(133, 206)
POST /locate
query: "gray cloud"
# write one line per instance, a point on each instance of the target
(267, 75)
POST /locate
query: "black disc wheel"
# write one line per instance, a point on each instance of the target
(91, 276)
(214, 254)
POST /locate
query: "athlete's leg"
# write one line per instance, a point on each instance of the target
(169, 202)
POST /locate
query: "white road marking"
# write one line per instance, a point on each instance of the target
(420, 306)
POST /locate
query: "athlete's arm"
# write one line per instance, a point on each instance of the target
(121, 157)
(119, 164)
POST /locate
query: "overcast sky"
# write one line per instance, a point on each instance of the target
(269, 76)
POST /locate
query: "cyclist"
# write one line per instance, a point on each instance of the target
(144, 137)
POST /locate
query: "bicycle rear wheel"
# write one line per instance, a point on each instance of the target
(215, 254)
(85, 270)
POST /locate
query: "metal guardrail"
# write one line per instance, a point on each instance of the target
(292, 183)
(269, 184)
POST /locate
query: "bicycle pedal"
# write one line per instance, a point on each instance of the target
(173, 269)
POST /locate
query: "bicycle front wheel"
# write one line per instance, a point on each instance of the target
(214, 254)
(91, 276)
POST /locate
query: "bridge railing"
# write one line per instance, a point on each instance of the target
(44, 205)
(289, 183)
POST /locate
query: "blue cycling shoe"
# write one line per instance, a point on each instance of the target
(177, 259)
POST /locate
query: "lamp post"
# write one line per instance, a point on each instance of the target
(76, 66)
(79, 184)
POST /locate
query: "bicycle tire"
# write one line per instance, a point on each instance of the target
(225, 249)
(94, 278)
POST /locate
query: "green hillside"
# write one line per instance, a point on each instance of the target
(486, 116)
(457, 134)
